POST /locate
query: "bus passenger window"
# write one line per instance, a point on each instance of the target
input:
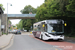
(34, 25)
(39, 29)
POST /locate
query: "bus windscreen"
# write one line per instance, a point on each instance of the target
(57, 27)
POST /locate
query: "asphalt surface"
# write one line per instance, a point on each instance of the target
(25, 42)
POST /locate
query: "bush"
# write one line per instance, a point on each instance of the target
(3, 33)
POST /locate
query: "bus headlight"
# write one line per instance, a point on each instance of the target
(47, 35)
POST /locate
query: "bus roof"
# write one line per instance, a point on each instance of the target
(49, 21)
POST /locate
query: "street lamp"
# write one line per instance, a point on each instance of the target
(7, 6)
(7, 16)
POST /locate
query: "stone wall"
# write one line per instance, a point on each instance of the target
(4, 22)
(0, 24)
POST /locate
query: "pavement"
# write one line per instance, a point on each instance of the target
(70, 39)
(5, 40)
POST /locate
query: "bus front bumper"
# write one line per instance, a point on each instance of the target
(54, 38)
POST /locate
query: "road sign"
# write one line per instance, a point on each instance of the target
(2, 26)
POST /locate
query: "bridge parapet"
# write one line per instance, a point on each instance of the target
(21, 16)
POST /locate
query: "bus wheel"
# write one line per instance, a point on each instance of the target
(41, 37)
(35, 36)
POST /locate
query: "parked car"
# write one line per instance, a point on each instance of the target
(18, 32)
(9, 31)
(12, 31)
(25, 30)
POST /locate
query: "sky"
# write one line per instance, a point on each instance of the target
(18, 5)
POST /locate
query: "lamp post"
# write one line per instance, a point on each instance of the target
(7, 16)
(7, 6)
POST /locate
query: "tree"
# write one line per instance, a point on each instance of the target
(19, 25)
(28, 9)
(45, 0)
(52, 8)
(14, 26)
(27, 23)
(9, 22)
(47, 10)
(71, 6)
(2, 7)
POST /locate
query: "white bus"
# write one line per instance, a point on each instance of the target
(49, 29)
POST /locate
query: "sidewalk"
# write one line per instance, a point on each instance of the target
(70, 39)
(5, 40)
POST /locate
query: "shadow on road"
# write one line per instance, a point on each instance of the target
(51, 40)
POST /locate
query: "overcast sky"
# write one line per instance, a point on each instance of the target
(18, 5)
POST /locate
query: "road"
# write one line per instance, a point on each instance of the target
(26, 41)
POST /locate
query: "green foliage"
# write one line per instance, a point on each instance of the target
(28, 9)
(55, 8)
(14, 26)
(4, 33)
(49, 9)
(45, 0)
(9, 22)
(27, 23)
(19, 25)
(2, 7)
(71, 6)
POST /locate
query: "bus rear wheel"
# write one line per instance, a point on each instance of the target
(35, 36)
(41, 37)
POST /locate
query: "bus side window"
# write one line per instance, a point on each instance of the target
(39, 28)
(34, 27)
(44, 28)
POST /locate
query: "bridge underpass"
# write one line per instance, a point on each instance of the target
(6, 17)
